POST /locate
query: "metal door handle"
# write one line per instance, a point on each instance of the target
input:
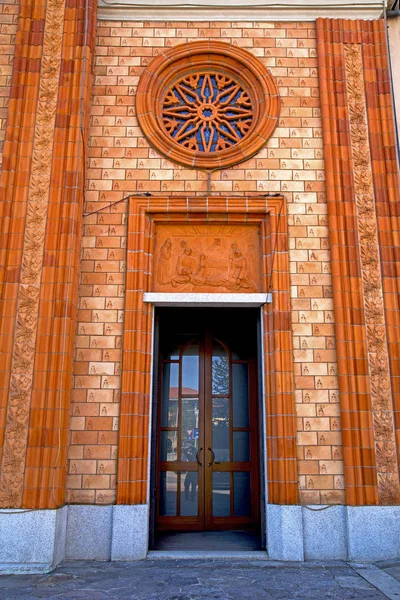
(197, 457)
(213, 461)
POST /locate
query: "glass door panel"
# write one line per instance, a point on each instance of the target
(189, 429)
(241, 446)
(221, 495)
(190, 370)
(241, 494)
(240, 394)
(170, 403)
(190, 494)
(178, 450)
(219, 370)
(207, 444)
(169, 446)
(233, 459)
(220, 429)
(168, 493)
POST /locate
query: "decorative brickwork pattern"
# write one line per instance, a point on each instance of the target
(8, 29)
(122, 162)
(40, 276)
(354, 83)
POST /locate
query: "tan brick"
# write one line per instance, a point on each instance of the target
(321, 482)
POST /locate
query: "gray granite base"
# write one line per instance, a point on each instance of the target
(355, 533)
(89, 532)
(37, 541)
(284, 532)
(325, 533)
(118, 532)
(32, 541)
(373, 532)
(130, 538)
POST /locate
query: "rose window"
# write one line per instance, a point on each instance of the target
(207, 112)
(207, 104)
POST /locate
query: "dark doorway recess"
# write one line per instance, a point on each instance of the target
(206, 430)
(222, 541)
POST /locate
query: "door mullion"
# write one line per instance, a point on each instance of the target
(202, 440)
(231, 432)
(208, 426)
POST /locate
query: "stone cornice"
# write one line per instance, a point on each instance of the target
(237, 10)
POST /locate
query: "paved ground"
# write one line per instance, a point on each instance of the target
(202, 580)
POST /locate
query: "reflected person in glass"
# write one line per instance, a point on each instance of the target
(189, 455)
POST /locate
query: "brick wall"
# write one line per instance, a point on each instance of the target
(121, 162)
(8, 29)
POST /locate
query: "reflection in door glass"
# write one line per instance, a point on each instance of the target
(170, 383)
(221, 495)
(169, 445)
(189, 494)
(220, 369)
(220, 429)
(190, 429)
(190, 370)
(241, 495)
(241, 446)
(240, 395)
(168, 493)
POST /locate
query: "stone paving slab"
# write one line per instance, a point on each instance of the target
(390, 567)
(193, 580)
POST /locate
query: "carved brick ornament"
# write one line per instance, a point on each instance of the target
(377, 350)
(207, 104)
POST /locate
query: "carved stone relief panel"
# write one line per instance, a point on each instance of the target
(207, 258)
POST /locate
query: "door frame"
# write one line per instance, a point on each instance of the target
(260, 428)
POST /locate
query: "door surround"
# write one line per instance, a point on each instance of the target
(269, 213)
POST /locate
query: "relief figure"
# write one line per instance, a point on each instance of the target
(185, 266)
(214, 260)
(199, 277)
(163, 272)
(237, 274)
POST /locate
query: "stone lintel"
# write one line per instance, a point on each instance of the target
(197, 300)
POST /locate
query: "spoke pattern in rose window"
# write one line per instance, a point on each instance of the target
(207, 112)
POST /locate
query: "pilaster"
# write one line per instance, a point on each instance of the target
(363, 205)
(42, 192)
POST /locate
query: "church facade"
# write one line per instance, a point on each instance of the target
(199, 268)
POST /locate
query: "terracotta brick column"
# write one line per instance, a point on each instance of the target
(363, 203)
(42, 193)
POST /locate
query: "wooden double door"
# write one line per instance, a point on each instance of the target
(207, 451)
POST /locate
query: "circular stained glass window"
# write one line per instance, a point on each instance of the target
(207, 112)
(207, 104)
